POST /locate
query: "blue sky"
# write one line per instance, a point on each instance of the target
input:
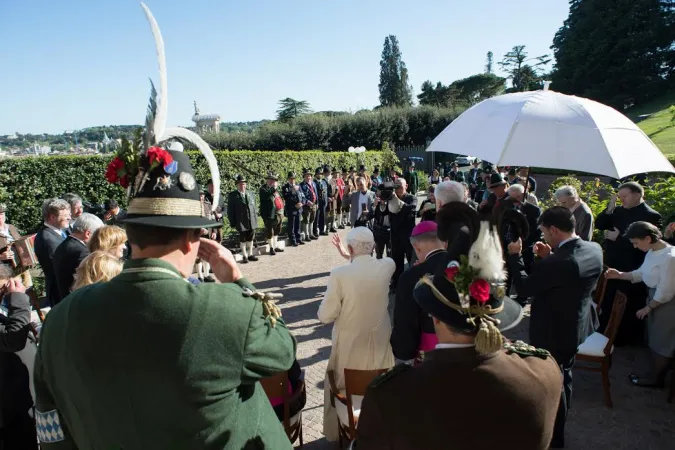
(71, 64)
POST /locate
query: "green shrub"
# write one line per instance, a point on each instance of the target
(26, 182)
(659, 194)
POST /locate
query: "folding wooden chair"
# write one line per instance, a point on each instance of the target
(597, 349)
(348, 406)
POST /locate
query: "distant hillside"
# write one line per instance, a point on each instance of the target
(658, 125)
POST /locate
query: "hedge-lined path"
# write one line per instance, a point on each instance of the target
(640, 419)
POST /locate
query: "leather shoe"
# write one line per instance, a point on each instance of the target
(300, 243)
(279, 250)
(253, 258)
(272, 252)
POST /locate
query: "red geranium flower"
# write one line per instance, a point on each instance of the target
(451, 272)
(112, 173)
(124, 181)
(480, 290)
(158, 156)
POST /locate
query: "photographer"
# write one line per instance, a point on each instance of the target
(382, 218)
(403, 208)
(17, 352)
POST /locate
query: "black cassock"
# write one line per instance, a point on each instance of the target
(622, 256)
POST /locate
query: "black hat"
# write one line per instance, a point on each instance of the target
(334, 170)
(290, 175)
(467, 292)
(513, 221)
(352, 169)
(326, 169)
(306, 171)
(168, 197)
(317, 171)
(376, 170)
(240, 179)
(362, 168)
(272, 176)
(496, 179)
(344, 170)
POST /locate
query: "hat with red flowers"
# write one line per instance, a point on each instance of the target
(468, 292)
(161, 187)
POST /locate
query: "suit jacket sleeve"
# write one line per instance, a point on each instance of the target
(542, 277)
(330, 307)
(656, 220)
(14, 331)
(604, 221)
(374, 431)
(405, 335)
(231, 212)
(586, 227)
(268, 349)
(45, 403)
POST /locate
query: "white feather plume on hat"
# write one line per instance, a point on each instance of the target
(486, 254)
(159, 132)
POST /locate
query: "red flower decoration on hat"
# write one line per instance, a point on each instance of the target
(451, 273)
(158, 156)
(480, 290)
(124, 181)
(115, 171)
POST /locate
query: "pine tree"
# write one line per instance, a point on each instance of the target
(488, 65)
(618, 52)
(394, 86)
(523, 72)
(291, 108)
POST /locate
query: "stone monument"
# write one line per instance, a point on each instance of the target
(205, 123)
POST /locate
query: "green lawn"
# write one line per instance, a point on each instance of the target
(657, 126)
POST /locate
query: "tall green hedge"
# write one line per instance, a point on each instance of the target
(26, 182)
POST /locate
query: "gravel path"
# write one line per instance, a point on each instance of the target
(641, 418)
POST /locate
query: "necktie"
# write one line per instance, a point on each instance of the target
(63, 234)
(311, 189)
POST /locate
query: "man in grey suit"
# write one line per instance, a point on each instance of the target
(360, 200)
(569, 198)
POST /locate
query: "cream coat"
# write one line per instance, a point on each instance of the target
(356, 299)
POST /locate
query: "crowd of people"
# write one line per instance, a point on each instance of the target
(456, 285)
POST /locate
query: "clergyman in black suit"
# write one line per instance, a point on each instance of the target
(56, 216)
(70, 253)
(561, 285)
(410, 322)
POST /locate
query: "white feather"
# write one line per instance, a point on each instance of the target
(162, 97)
(485, 254)
(191, 136)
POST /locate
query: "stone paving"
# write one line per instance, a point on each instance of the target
(641, 418)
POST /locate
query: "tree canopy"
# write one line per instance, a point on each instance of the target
(290, 108)
(394, 86)
(524, 73)
(618, 52)
(465, 92)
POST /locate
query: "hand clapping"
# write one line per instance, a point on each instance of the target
(542, 249)
(516, 247)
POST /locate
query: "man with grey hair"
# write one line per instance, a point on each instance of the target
(449, 191)
(76, 208)
(72, 251)
(568, 197)
(56, 216)
(356, 300)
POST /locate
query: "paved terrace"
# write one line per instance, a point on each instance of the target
(641, 418)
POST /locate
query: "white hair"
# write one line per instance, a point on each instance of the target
(450, 191)
(87, 222)
(361, 240)
(567, 191)
(516, 190)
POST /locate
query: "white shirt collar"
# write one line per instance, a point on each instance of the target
(442, 346)
(573, 237)
(54, 229)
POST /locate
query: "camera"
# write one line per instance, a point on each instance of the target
(386, 191)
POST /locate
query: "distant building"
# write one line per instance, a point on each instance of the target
(205, 123)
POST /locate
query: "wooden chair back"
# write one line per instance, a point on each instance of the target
(277, 386)
(612, 328)
(356, 383)
(600, 289)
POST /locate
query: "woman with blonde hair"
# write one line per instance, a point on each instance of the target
(110, 238)
(98, 267)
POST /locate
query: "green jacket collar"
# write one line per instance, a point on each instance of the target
(133, 265)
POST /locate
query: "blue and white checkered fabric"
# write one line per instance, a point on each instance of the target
(48, 426)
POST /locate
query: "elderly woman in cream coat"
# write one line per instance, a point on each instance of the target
(356, 300)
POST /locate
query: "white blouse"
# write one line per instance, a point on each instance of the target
(658, 271)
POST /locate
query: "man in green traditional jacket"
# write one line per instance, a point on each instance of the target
(411, 177)
(151, 361)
